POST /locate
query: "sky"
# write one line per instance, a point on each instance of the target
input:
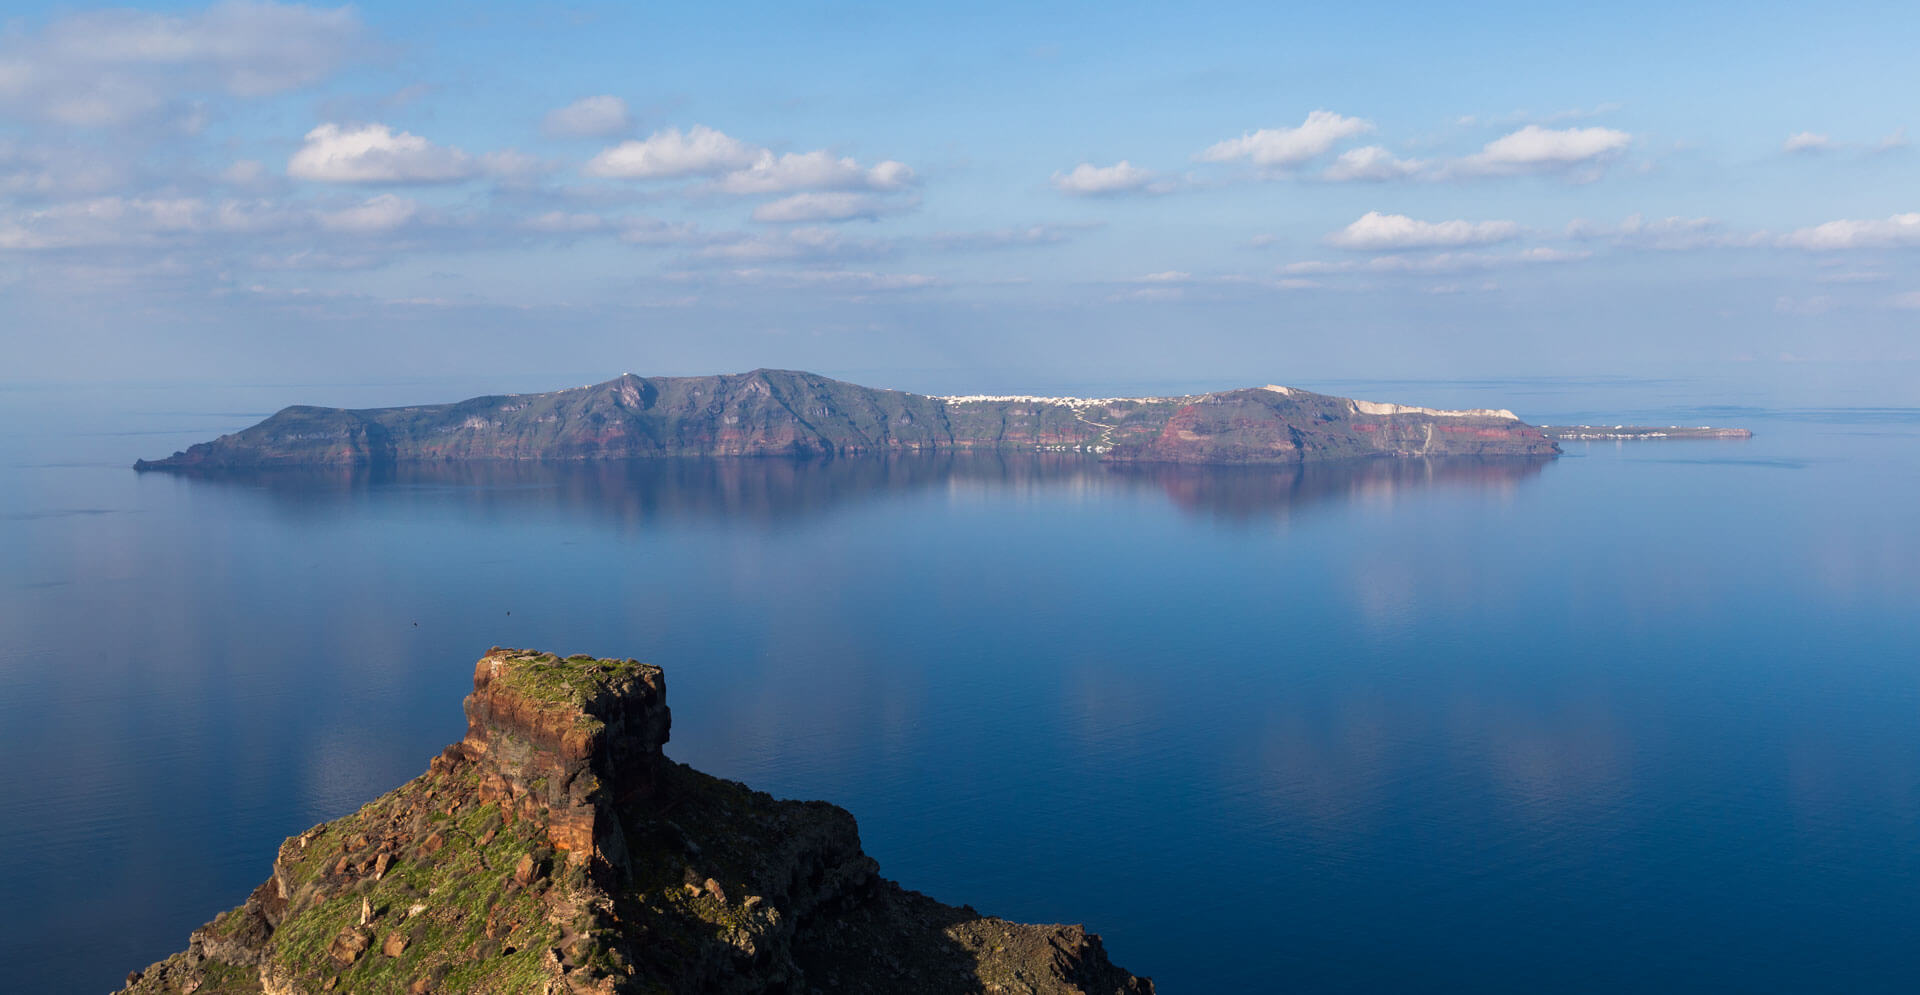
(986, 196)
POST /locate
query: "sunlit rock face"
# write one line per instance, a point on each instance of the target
(568, 738)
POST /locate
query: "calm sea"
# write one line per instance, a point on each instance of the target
(1646, 717)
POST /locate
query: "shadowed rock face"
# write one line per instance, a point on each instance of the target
(781, 412)
(555, 849)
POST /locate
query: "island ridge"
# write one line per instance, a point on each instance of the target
(787, 413)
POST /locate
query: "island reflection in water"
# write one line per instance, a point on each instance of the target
(775, 490)
(1640, 722)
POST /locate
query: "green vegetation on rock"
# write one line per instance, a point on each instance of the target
(511, 868)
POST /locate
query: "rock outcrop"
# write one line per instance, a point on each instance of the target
(782, 412)
(555, 849)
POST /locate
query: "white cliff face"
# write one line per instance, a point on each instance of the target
(1380, 408)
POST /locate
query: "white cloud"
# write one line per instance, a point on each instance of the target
(818, 170)
(377, 214)
(110, 67)
(1895, 141)
(565, 222)
(1534, 149)
(245, 173)
(1314, 267)
(375, 153)
(1375, 232)
(1894, 232)
(810, 207)
(314, 260)
(670, 153)
(1804, 307)
(1439, 262)
(740, 167)
(253, 216)
(856, 280)
(1806, 141)
(1852, 276)
(1512, 118)
(513, 166)
(1149, 294)
(1909, 301)
(1008, 238)
(43, 170)
(1284, 147)
(1666, 234)
(1089, 180)
(790, 244)
(588, 117)
(1463, 262)
(653, 231)
(1371, 162)
(1173, 280)
(801, 243)
(1580, 113)
(1547, 254)
(129, 221)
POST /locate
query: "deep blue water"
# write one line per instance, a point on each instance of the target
(1645, 717)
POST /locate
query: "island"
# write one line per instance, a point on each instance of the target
(1640, 433)
(790, 413)
(555, 849)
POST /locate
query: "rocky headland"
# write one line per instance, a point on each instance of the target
(555, 849)
(788, 413)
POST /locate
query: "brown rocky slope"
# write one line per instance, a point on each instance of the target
(556, 850)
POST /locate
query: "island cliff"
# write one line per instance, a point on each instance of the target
(780, 412)
(556, 850)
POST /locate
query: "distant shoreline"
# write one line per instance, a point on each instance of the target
(1637, 433)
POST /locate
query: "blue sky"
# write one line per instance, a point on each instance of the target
(940, 198)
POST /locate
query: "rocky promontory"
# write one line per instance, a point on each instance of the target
(555, 849)
(789, 413)
(1640, 433)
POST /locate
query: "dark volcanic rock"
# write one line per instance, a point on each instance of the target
(555, 849)
(781, 412)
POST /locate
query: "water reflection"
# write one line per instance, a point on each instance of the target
(1431, 724)
(774, 490)
(1251, 492)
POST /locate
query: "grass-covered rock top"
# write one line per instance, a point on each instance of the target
(536, 856)
(580, 682)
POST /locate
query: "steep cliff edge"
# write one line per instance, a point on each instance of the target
(784, 412)
(555, 849)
